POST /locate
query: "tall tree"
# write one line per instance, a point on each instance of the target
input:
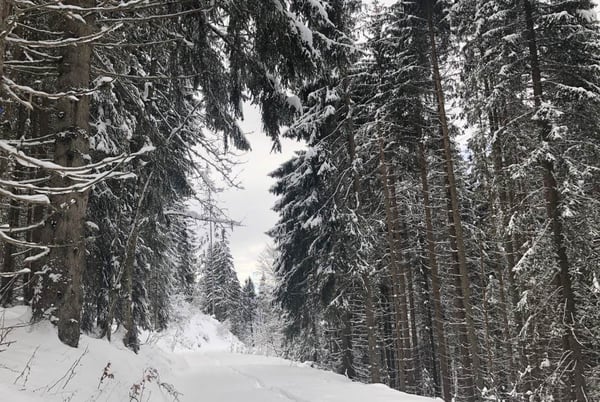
(61, 289)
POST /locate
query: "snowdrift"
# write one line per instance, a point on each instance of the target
(35, 366)
(197, 333)
(195, 360)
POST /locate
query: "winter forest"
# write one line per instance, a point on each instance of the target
(439, 232)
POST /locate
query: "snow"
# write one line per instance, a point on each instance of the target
(238, 377)
(92, 226)
(195, 360)
(588, 15)
(32, 199)
(320, 7)
(294, 102)
(16, 273)
(199, 333)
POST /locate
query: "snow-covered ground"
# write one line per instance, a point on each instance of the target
(198, 361)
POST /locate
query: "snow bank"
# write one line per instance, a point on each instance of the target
(193, 361)
(198, 333)
(37, 367)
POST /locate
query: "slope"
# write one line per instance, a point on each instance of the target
(195, 361)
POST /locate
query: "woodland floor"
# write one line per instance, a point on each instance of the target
(196, 360)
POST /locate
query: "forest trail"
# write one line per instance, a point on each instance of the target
(190, 362)
(224, 377)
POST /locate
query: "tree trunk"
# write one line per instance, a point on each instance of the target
(440, 334)
(572, 348)
(471, 366)
(8, 259)
(347, 359)
(5, 11)
(131, 336)
(39, 127)
(406, 286)
(500, 218)
(430, 349)
(486, 318)
(389, 338)
(61, 287)
(8, 264)
(374, 357)
(398, 284)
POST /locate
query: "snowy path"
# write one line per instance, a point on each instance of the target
(224, 377)
(196, 359)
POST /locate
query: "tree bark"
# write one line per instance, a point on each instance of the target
(374, 357)
(398, 283)
(5, 11)
(39, 127)
(572, 348)
(471, 365)
(131, 336)
(371, 329)
(406, 287)
(347, 359)
(61, 287)
(440, 334)
(8, 264)
(502, 217)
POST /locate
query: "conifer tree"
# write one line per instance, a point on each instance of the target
(249, 306)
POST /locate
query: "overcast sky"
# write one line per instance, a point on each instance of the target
(252, 205)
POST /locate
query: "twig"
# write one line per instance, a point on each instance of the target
(27, 370)
(70, 373)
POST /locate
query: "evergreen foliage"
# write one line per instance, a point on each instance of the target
(220, 288)
(467, 249)
(438, 233)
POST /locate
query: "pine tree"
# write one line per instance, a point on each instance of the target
(220, 287)
(249, 305)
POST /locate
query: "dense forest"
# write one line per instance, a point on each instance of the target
(438, 234)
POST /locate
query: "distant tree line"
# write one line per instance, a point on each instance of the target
(250, 313)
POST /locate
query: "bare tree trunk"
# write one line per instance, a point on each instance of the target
(131, 336)
(16, 173)
(61, 292)
(8, 264)
(347, 360)
(471, 366)
(371, 330)
(391, 349)
(499, 216)
(122, 282)
(374, 358)
(572, 348)
(5, 11)
(406, 286)
(440, 334)
(486, 316)
(39, 128)
(430, 349)
(398, 285)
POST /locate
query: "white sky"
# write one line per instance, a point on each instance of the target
(252, 205)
